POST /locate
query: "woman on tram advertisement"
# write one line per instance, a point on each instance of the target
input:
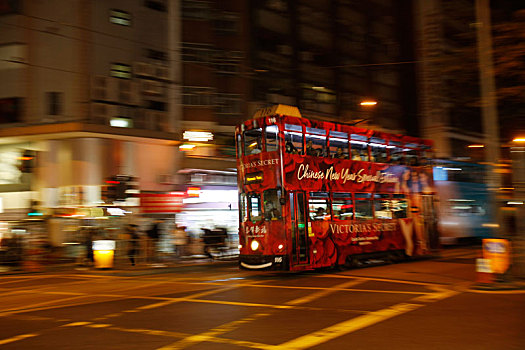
(330, 208)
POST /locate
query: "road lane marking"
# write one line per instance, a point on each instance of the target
(212, 333)
(346, 327)
(17, 338)
(379, 279)
(37, 305)
(76, 324)
(324, 292)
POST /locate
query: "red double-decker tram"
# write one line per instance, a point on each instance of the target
(317, 194)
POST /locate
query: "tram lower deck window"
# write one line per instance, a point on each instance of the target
(318, 206)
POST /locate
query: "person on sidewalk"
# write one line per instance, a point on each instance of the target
(133, 243)
(180, 240)
(152, 242)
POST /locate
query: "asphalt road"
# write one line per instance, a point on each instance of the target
(417, 305)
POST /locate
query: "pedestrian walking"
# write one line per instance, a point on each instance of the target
(133, 243)
(180, 240)
(153, 238)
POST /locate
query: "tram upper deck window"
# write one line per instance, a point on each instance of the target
(318, 206)
(315, 142)
(342, 206)
(272, 131)
(377, 150)
(399, 206)
(359, 145)
(272, 207)
(293, 138)
(254, 207)
(396, 152)
(252, 141)
(412, 154)
(239, 145)
(363, 206)
(382, 206)
(338, 144)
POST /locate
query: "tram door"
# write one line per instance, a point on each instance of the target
(298, 228)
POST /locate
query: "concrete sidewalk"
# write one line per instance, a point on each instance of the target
(122, 268)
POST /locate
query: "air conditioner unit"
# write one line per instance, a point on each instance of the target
(156, 120)
(99, 88)
(163, 73)
(152, 87)
(143, 69)
(100, 113)
(128, 92)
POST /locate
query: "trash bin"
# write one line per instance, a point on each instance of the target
(103, 253)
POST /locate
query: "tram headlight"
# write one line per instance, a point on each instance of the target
(254, 245)
(280, 246)
(240, 246)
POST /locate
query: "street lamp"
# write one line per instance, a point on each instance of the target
(368, 103)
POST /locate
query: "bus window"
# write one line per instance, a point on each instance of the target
(253, 141)
(412, 154)
(342, 206)
(359, 145)
(315, 142)
(272, 207)
(243, 208)
(293, 137)
(254, 202)
(399, 206)
(396, 152)
(363, 206)
(318, 206)
(338, 144)
(377, 150)
(382, 206)
(239, 146)
(271, 138)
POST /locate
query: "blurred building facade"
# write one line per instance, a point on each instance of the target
(87, 94)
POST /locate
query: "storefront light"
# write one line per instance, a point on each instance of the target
(197, 136)
(186, 147)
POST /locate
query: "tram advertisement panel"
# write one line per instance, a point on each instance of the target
(336, 175)
(259, 172)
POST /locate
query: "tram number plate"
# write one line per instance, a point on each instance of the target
(278, 259)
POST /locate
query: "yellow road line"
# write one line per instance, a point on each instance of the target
(37, 305)
(17, 338)
(346, 327)
(211, 334)
(324, 292)
(379, 279)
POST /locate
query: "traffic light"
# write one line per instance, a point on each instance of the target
(119, 188)
(27, 161)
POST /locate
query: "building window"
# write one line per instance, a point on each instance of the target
(54, 103)
(156, 55)
(120, 17)
(227, 62)
(157, 5)
(226, 23)
(122, 71)
(228, 104)
(198, 96)
(11, 110)
(195, 9)
(199, 53)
